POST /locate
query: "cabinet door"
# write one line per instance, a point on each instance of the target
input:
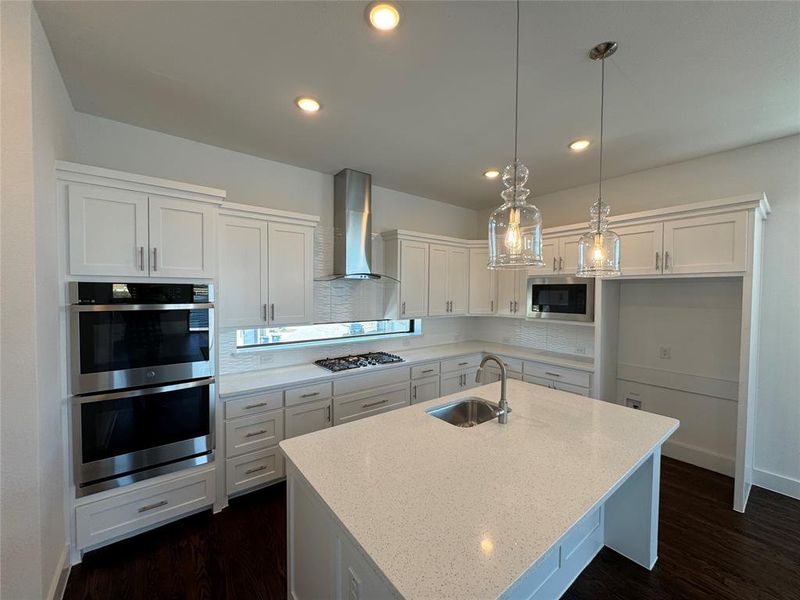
(182, 238)
(308, 417)
(507, 292)
(413, 279)
(482, 283)
(438, 299)
(290, 274)
(710, 244)
(640, 248)
(469, 379)
(107, 231)
(242, 272)
(423, 390)
(458, 280)
(451, 383)
(550, 257)
(568, 254)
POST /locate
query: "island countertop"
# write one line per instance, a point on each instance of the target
(447, 512)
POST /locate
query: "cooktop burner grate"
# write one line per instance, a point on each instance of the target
(355, 361)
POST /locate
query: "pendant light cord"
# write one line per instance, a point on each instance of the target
(602, 115)
(516, 105)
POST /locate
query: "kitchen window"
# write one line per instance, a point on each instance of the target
(304, 334)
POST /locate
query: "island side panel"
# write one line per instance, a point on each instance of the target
(631, 514)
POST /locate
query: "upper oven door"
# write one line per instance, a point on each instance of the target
(562, 298)
(122, 346)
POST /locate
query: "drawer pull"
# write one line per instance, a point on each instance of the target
(552, 374)
(255, 433)
(461, 364)
(371, 404)
(152, 506)
(256, 470)
(311, 395)
(249, 406)
(428, 370)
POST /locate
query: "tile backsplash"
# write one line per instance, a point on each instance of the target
(554, 337)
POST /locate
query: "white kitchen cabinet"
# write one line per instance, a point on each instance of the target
(413, 279)
(182, 237)
(253, 470)
(425, 389)
(107, 231)
(550, 257)
(290, 273)
(448, 280)
(305, 418)
(243, 272)
(458, 381)
(560, 255)
(366, 403)
(641, 251)
(706, 244)
(482, 283)
(512, 294)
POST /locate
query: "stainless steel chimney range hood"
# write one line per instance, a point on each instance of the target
(352, 225)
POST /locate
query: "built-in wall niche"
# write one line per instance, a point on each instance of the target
(678, 355)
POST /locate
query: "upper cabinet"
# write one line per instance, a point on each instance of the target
(560, 255)
(512, 292)
(707, 244)
(448, 280)
(124, 225)
(482, 283)
(242, 271)
(413, 279)
(291, 274)
(640, 247)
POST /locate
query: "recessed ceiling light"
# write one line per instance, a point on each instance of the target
(580, 145)
(491, 174)
(307, 104)
(384, 16)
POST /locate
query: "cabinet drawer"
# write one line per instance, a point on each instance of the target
(574, 389)
(251, 405)
(359, 383)
(425, 370)
(461, 362)
(121, 514)
(511, 364)
(493, 374)
(308, 393)
(256, 468)
(307, 417)
(368, 403)
(247, 434)
(548, 383)
(564, 374)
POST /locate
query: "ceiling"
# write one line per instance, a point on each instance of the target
(427, 108)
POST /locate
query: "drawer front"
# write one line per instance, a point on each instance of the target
(372, 402)
(307, 417)
(575, 389)
(548, 383)
(367, 381)
(307, 393)
(255, 468)
(460, 363)
(564, 374)
(118, 515)
(426, 370)
(511, 364)
(248, 434)
(251, 405)
(493, 374)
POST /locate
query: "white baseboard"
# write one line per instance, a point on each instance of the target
(700, 457)
(777, 483)
(58, 583)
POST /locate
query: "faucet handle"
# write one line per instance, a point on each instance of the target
(478, 375)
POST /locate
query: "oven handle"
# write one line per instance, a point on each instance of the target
(142, 391)
(125, 307)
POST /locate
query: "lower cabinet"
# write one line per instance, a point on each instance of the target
(459, 381)
(256, 432)
(308, 417)
(425, 389)
(366, 403)
(256, 468)
(557, 385)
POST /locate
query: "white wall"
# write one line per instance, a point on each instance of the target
(35, 114)
(251, 180)
(774, 168)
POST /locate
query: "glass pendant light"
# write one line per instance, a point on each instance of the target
(598, 249)
(515, 227)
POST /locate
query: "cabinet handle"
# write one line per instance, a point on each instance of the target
(428, 371)
(461, 364)
(272, 312)
(141, 258)
(155, 259)
(255, 433)
(311, 395)
(554, 264)
(256, 470)
(329, 412)
(266, 314)
(511, 306)
(249, 406)
(491, 305)
(560, 263)
(666, 261)
(403, 308)
(371, 404)
(658, 261)
(552, 374)
(414, 392)
(152, 506)
(516, 306)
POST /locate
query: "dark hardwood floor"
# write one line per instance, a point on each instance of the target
(705, 551)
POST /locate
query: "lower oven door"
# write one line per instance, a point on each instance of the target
(126, 436)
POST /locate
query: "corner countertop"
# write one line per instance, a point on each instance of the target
(447, 512)
(235, 384)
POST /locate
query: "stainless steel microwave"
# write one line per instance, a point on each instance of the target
(561, 298)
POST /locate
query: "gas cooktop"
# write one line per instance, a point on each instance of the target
(355, 361)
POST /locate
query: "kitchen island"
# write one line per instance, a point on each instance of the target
(406, 505)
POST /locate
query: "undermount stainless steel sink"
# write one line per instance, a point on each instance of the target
(466, 412)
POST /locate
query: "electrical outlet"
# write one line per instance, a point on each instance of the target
(665, 352)
(633, 403)
(580, 350)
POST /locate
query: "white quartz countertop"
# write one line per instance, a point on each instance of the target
(447, 512)
(235, 384)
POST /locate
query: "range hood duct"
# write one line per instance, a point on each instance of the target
(352, 226)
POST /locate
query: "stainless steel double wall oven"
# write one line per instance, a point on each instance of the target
(142, 380)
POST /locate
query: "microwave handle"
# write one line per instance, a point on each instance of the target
(129, 307)
(142, 392)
